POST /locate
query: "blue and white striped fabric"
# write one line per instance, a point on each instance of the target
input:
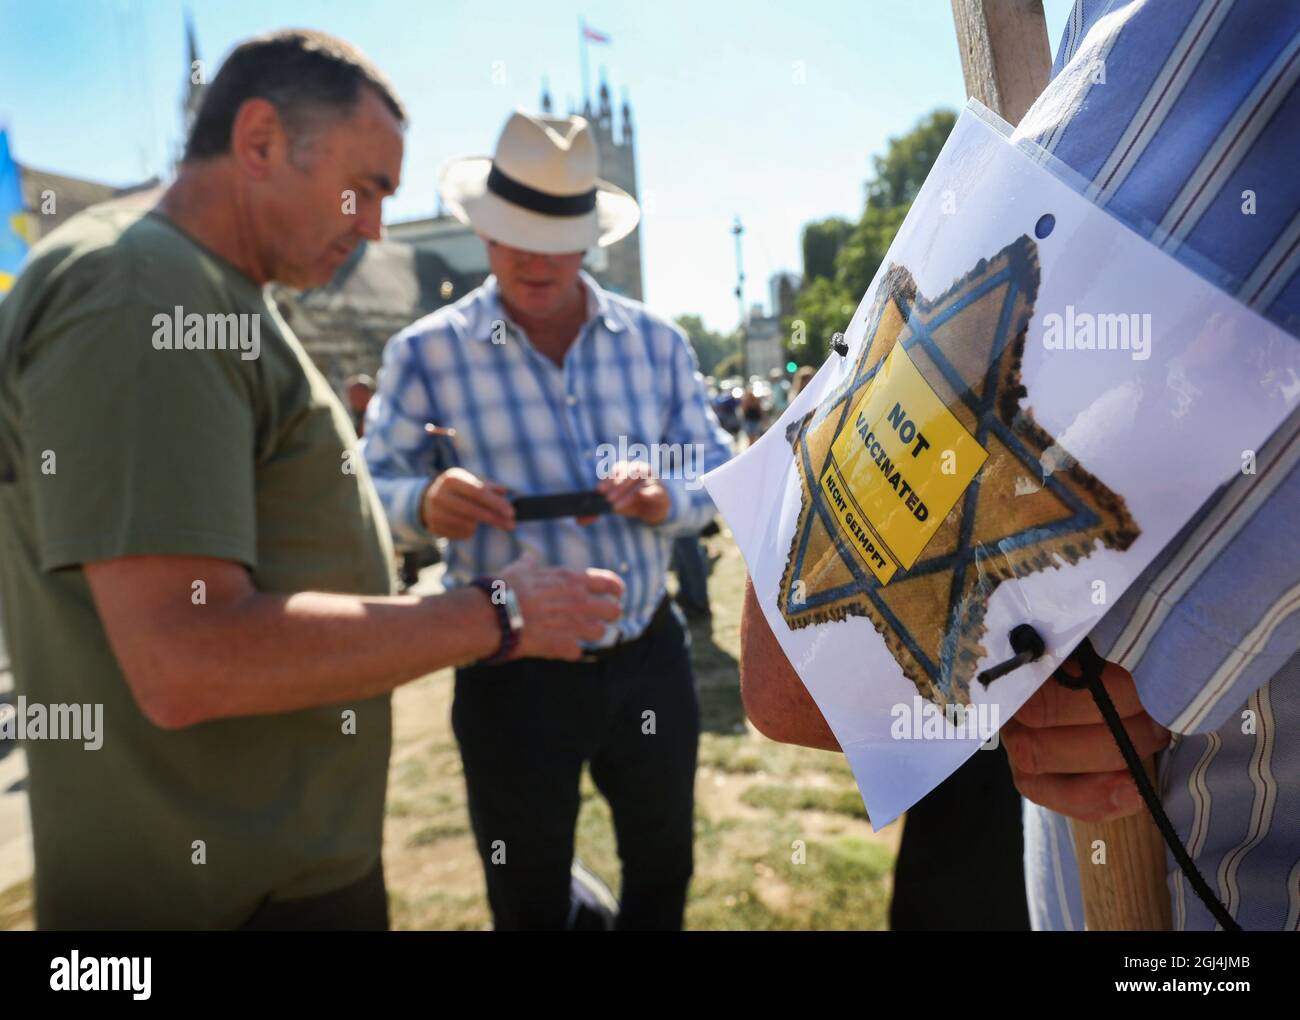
(630, 378)
(1184, 117)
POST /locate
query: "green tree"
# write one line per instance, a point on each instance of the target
(866, 248)
(901, 171)
(822, 240)
(828, 299)
(822, 309)
(710, 347)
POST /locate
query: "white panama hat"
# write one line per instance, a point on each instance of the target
(540, 192)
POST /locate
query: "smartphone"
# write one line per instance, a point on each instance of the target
(588, 503)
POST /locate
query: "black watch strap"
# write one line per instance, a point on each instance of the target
(509, 636)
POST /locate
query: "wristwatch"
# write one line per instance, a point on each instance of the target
(510, 617)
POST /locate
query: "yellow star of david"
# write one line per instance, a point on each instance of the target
(925, 484)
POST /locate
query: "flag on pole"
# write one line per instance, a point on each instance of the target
(13, 218)
(591, 35)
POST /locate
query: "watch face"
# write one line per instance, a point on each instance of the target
(513, 611)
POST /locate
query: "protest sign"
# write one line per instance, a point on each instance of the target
(1035, 399)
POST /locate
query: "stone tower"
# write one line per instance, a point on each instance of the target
(196, 78)
(619, 264)
(196, 84)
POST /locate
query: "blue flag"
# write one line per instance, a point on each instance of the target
(13, 218)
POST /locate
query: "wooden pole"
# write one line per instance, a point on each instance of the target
(1006, 61)
(1005, 56)
(1122, 872)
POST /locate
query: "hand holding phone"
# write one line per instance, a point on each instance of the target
(587, 503)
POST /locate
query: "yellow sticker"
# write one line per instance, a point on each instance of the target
(898, 467)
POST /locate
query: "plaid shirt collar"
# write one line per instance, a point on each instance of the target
(486, 308)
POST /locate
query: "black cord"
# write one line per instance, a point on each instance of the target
(1089, 678)
(1029, 647)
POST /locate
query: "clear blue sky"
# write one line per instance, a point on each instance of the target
(92, 88)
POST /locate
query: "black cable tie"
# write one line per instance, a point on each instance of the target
(1028, 645)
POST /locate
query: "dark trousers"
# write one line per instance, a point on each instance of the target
(526, 728)
(692, 572)
(361, 906)
(961, 863)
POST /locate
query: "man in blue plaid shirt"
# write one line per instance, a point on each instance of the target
(552, 385)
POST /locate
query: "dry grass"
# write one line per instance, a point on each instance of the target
(16, 907)
(782, 840)
(760, 807)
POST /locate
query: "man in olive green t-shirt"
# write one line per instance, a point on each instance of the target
(189, 539)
